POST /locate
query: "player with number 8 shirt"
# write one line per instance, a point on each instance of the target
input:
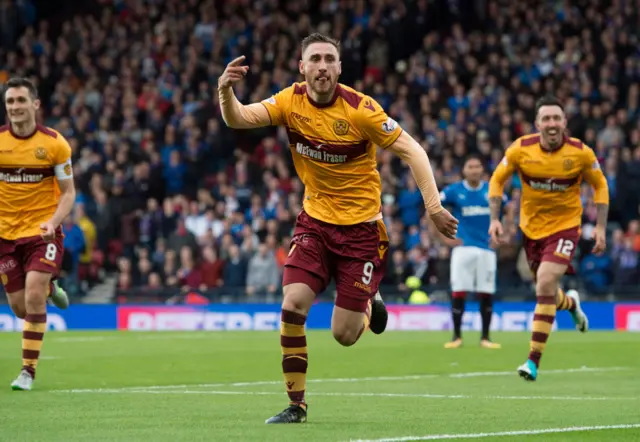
(551, 166)
(36, 184)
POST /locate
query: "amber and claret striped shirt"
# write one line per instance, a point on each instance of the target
(551, 181)
(29, 170)
(334, 150)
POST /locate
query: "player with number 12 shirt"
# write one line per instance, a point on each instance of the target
(36, 184)
(333, 133)
(551, 166)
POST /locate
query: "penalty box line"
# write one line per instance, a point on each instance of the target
(503, 433)
(342, 380)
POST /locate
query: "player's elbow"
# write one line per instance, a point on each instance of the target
(230, 122)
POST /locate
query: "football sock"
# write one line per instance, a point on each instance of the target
(457, 310)
(563, 302)
(294, 355)
(32, 334)
(365, 321)
(486, 312)
(543, 318)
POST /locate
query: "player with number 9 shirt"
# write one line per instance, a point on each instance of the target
(333, 133)
(551, 166)
(36, 184)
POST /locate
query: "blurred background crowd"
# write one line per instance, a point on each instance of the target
(171, 202)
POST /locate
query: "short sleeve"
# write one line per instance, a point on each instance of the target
(62, 159)
(277, 106)
(376, 125)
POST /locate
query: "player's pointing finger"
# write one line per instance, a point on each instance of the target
(237, 61)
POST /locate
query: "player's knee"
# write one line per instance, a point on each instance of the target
(36, 298)
(19, 310)
(546, 283)
(345, 336)
(298, 298)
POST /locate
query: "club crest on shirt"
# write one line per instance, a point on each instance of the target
(340, 127)
(40, 153)
(67, 170)
(568, 164)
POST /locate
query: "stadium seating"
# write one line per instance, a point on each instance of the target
(172, 202)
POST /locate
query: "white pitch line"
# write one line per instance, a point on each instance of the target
(352, 380)
(347, 394)
(503, 433)
(80, 338)
(558, 371)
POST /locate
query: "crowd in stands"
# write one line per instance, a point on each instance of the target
(168, 196)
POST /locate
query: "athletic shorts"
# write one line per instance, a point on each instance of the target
(559, 247)
(473, 270)
(17, 257)
(355, 256)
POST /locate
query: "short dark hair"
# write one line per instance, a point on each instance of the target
(21, 82)
(548, 100)
(473, 156)
(317, 37)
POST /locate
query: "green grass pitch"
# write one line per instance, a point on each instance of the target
(399, 386)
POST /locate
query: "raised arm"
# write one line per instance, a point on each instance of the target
(235, 114)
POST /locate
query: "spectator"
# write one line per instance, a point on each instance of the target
(263, 276)
(235, 269)
(211, 268)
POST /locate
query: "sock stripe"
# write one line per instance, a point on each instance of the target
(30, 354)
(293, 318)
(286, 351)
(33, 331)
(539, 337)
(291, 330)
(36, 319)
(32, 335)
(544, 318)
(295, 364)
(293, 341)
(551, 300)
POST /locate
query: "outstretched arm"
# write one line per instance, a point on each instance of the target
(414, 155)
(235, 114)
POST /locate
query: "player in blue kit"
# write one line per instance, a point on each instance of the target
(473, 260)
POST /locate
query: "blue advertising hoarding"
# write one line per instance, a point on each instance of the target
(516, 316)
